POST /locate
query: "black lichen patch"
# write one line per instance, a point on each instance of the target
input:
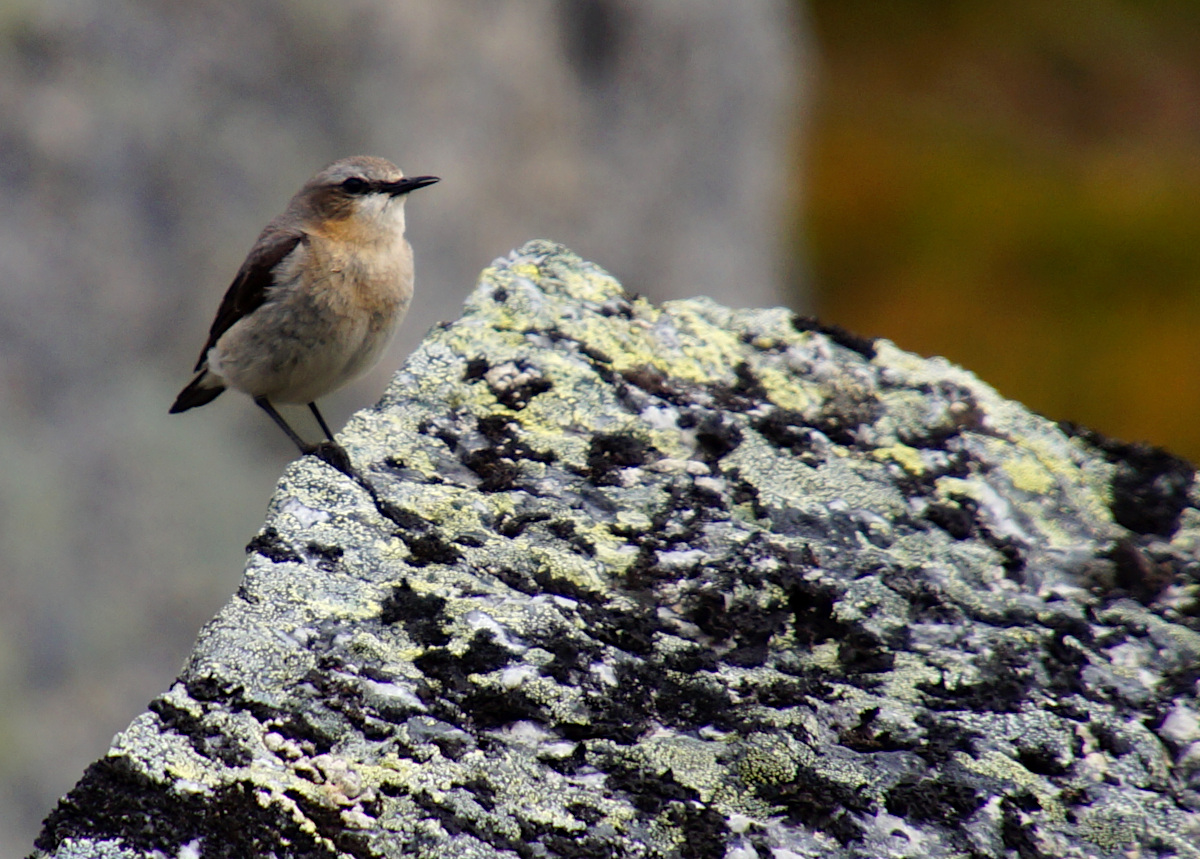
(444, 429)
(440, 665)
(115, 801)
(430, 548)
(610, 452)
(742, 491)
(1150, 486)
(476, 369)
(941, 740)
(484, 653)
(334, 693)
(207, 742)
(513, 525)
(703, 828)
(631, 630)
(1064, 659)
(208, 689)
(746, 393)
(421, 614)
(454, 822)
(864, 346)
(1137, 573)
(521, 384)
(1017, 836)
(488, 709)
(690, 702)
(955, 517)
(573, 658)
(620, 713)
(962, 412)
(847, 409)
(812, 610)
(798, 687)
(1012, 557)
(546, 582)
(716, 436)
(498, 463)
(405, 520)
(328, 822)
(819, 803)
(745, 625)
(498, 473)
(565, 530)
(927, 602)
(1005, 679)
(1040, 760)
(327, 557)
(274, 548)
(653, 382)
(938, 800)
(484, 708)
(866, 736)
(648, 791)
(959, 517)
(787, 430)
(861, 652)
(517, 397)
(679, 522)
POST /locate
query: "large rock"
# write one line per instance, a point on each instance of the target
(612, 579)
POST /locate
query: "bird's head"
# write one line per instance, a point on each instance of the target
(361, 197)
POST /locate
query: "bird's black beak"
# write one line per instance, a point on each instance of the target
(409, 183)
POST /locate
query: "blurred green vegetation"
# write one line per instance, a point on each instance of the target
(1016, 186)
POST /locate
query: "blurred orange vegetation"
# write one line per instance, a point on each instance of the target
(1016, 186)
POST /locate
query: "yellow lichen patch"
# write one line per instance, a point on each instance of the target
(705, 353)
(1004, 769)
(766, 762)
(616, 556)
(908, 458)
(454, 508)
(1027, 473)
(591, 286)
(527, 270)
(909, 672)
(786, 390)
(825, 655)
(692, 763)
(581, 572)
(332, 608)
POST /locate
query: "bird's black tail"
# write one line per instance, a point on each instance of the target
(201, 390)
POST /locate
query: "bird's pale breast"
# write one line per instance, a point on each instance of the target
(327, 320)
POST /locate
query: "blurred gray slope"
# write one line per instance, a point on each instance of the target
(617, 579)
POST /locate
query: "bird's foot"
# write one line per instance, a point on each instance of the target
(334, 455)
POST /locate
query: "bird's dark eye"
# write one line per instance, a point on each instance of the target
(355, 185)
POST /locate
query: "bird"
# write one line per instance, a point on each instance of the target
(318, 297)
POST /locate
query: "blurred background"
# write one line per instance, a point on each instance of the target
(1015, 185)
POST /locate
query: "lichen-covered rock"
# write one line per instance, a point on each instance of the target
(610, 579)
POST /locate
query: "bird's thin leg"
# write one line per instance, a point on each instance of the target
(263, 404)
(330, 452)
(321, 420)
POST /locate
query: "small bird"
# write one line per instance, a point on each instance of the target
(318, 297)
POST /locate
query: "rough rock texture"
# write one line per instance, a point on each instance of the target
(618, 580)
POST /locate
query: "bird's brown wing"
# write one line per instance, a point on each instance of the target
(249, 288)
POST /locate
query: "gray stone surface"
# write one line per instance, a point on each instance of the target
(612, 579)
